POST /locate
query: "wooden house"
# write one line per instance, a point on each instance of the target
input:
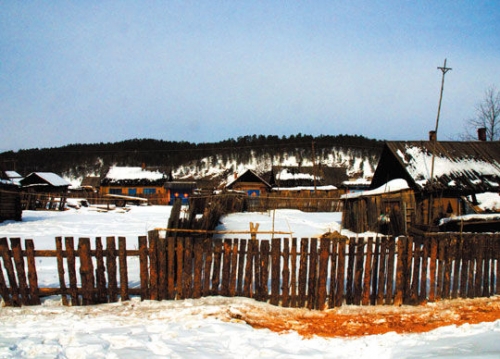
(442, 177)
(136, 182)
(44, 190)
(10, 199)
(250, 183)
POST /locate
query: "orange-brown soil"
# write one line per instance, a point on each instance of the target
(349, 321)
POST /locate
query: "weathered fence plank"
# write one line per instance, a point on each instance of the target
(324, 254)
(313, 274)
(143, 267)
(60, 271)
(15, 245)
(285, 302)
(86, 271)
(339, 295)
(275, 270)
(7, 263)
(100, 273)
(358, 270)
(391, 257)
(365, 299)
(304, 243)
(32, 275)
(111, 264)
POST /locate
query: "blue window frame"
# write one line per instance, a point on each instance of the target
(115, 191)
(132, 191)
(149, 191)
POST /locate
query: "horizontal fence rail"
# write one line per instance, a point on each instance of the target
(314, 273)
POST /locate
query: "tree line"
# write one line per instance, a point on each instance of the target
(77, 160)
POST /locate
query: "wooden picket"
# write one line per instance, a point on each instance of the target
(308, 272)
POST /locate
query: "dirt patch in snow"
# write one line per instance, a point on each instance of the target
(351, 321)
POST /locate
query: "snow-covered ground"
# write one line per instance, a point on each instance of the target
(193, 328)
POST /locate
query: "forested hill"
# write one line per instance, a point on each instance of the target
(185, 159)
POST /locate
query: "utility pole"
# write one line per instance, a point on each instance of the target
(444, 70)
(314, 166)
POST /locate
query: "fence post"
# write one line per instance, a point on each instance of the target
(153, 264)
(122, 252)
(15, 244)
(70, 258)
(32, 275)
(400, 269)
(10, 298)
(60, 271)
(143, 265)
(365, 300)
(101, 295)
(313, 274)
(86, 271)
(323, 272)
(111, 264)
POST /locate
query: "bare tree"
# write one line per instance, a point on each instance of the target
(487, 116)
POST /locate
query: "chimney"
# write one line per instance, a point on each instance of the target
(481, 134)
(143, 166)
(432, 136)
(235, 175)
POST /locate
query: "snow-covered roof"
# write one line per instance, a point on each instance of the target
(49, 177)
(13, 174)
(247, 175)
(305, 188)
(285, 175)
(391, 186)
(133, 173)
(461, 166)
(488, 201)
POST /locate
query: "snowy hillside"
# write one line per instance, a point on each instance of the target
(357, 164)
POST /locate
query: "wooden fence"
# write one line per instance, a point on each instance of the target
(315, 273)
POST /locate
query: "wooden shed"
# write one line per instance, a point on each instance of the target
(10, 199)
(441, 175)
(44, 190)
(385, 210)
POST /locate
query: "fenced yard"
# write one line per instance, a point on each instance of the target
(315, 273)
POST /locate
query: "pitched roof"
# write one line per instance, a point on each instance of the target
(248, 176)
(47, 177)
(458, 166)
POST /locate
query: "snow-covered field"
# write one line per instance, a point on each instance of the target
(193, 328)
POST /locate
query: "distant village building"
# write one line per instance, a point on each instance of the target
(180, 189)
(136, 182)
(44, 190)
(250, 183)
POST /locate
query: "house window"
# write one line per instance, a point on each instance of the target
(253, 192)
(115, 191)
(132, 191)
(149, 191)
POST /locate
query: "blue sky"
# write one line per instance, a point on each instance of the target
(204, 71)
